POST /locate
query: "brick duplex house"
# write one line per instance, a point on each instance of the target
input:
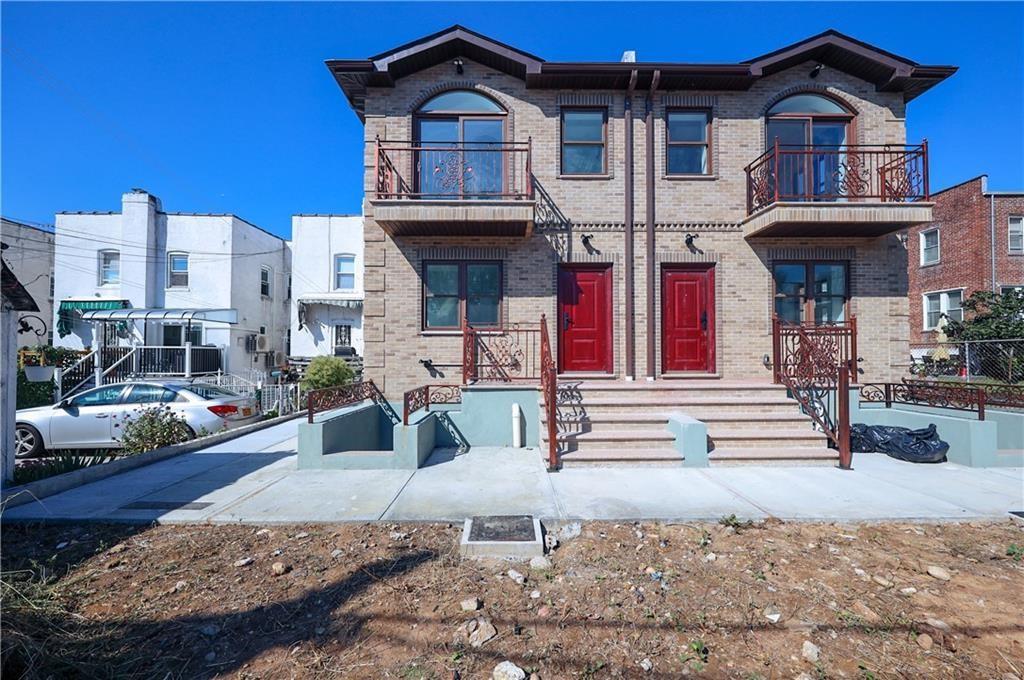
(659, 215)
(976, 242)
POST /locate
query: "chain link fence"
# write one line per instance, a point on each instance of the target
(998, 362)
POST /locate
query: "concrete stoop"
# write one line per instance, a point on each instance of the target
(628, 423)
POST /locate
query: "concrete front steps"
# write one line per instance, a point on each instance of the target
(622, 423)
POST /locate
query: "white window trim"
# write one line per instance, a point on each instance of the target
(938, 247)
(1009, 227)
(270, 281)
(334, 272)
(188, 270)
(943, 304)
(99, 267)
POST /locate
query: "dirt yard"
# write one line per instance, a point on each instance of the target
(772, 600)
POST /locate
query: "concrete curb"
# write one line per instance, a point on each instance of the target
(41, 488)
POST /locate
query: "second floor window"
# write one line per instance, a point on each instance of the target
(177, 270)
(1016, 235)
(344, 272)
(265, 277)
(686, 143)
(109, 267)
(584, 141)
(929, 247)
(457, 291)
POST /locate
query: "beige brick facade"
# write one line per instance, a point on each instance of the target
(712, 207)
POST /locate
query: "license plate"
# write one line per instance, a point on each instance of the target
(246, 411)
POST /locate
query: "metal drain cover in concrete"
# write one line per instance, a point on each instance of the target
(507, 536)
(165, 505)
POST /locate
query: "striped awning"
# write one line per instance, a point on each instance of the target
(69, 308)
(159, 314)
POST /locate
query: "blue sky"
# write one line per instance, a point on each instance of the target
(229, 108)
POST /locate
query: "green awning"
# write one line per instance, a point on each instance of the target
(67, 309)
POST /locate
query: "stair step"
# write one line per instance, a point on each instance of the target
(613, 439)
(656, 456)
(773, 456)
(764, 438)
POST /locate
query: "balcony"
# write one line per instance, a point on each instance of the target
(454, 189)
(849, 190)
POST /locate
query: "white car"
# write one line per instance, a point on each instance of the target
(94, 419)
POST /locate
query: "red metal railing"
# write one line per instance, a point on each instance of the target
(458, 171)
(883, 172)
(811, 362)
(927, 393)
(330, 398)
(839, 339)
(549, 392)
(507, 354)
(425, 395)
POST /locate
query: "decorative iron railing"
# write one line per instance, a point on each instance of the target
(507, 354)
(425, 395)
(924, 393)
(454, 171)
(811, 366)
(330, 398)
(549, 392)
(889, 173)
(839, 339)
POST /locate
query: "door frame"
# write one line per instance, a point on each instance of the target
(588, 266)
(712, 305)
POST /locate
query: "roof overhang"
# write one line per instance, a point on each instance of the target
(229, 316)
(887, 71)
(15, 296)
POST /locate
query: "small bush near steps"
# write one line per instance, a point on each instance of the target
(153, 427)
(327, 372)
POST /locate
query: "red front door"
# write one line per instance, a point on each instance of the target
(688, 320)
(585, 319)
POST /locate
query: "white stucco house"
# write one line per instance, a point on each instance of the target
(327, 286)
(29, 254)
(211, 280)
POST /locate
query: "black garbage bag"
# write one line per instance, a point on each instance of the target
(915, 446)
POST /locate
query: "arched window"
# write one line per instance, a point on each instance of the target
(459, 137)
(812, 132)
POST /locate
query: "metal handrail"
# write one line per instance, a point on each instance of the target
(549, 392)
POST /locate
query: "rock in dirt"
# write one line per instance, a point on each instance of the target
(516, 576)
(772, 614)
(810, 651)
(539, 563)
(908, 591)
(244, 562)
(470, 604)
(506, 670)
(865, 612)
(337, 552)
(475, 632)
(535, 595)
(544, 612)
(302, 534)
(924, 641)
(710, 557)
(647, 665)
(939, 573)
(882, 581)
(938, 624)
(567, 532)
(398, 536)
(280, 568)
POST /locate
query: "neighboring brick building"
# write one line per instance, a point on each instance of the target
(504, 187)
(975, 242)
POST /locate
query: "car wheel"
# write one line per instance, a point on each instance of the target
(28, 442)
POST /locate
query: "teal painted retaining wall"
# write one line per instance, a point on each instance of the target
(360, 434)
(485, 416)
(971, 442)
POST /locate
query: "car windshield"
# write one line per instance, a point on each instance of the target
(210, 391)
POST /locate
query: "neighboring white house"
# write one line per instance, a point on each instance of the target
(147, 259)
(30, 257)
(327, 285)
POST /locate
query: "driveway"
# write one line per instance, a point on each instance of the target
(253, 479)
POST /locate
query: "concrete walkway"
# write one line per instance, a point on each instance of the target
(253, 479)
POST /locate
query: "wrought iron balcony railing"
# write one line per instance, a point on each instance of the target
(852, 172)
(463, 171)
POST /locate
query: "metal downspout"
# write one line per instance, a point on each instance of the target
(992, 236)
(649, 259)
(630, 293)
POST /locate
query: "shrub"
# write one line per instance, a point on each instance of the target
(153, 427)
(40, 468)
(327, 372)
(32, 394)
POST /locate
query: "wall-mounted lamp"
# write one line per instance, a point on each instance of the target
(816, 70)
(587, 245)
(690, 245)
(431, 369)
(458, 66)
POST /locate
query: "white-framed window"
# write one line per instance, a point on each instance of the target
(948, 302)
(177, 270)
(344, 272)
(1006, 290)
(929, 247)
(1016, 234)
(109, 267)
(266, 276)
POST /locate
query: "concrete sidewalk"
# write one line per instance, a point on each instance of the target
(254, 479)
